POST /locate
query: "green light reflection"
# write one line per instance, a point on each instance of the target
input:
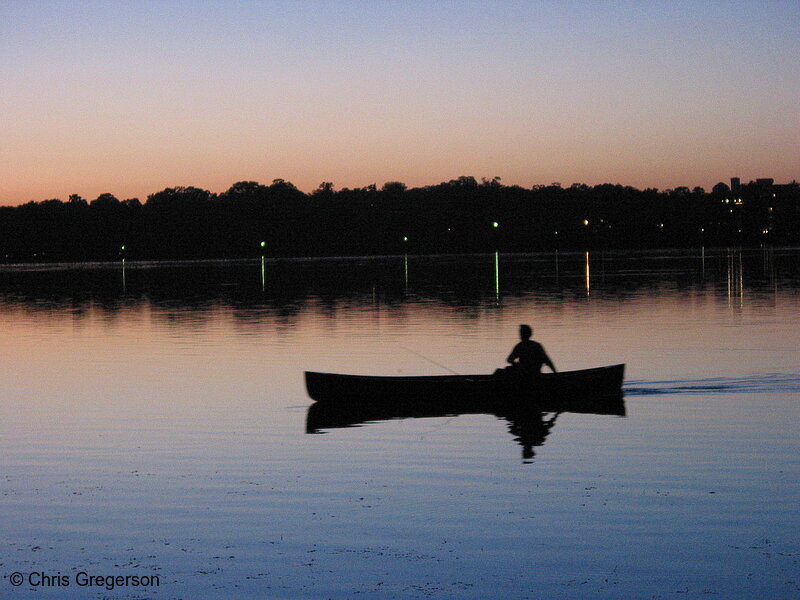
(497, 276)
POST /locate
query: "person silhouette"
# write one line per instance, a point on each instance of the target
(528, 356)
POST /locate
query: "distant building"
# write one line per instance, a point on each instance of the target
(763, 188)
(721, 190)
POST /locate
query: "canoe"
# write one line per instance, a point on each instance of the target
(503, 387)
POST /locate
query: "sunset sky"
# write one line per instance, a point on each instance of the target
(133, 97)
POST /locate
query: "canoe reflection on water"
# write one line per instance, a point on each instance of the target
(529, 423)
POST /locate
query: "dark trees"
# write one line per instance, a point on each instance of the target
(453, 216)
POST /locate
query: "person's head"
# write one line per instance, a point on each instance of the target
(525, 332)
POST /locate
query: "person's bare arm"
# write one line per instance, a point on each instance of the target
(512, 356)
(549, 362)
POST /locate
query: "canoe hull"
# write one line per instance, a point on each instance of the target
(501, 388)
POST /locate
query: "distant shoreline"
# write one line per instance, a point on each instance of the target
(460, 216)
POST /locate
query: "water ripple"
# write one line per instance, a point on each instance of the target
(755, 384)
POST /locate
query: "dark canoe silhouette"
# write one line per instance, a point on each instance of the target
(504, 388)
(524, 403)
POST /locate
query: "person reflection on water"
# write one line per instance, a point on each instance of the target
(528, 356)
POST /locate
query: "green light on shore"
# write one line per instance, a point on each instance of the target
(123, 248)
(495, 224)
(405, 238)
(263, 244)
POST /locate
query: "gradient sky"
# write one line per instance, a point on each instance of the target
(133, 97)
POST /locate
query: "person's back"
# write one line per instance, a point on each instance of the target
(528, 355)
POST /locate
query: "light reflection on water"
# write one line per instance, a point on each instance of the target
(158, 422)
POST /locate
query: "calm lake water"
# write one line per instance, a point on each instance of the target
(153, 422)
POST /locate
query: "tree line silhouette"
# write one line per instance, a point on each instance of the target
(456, 216)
